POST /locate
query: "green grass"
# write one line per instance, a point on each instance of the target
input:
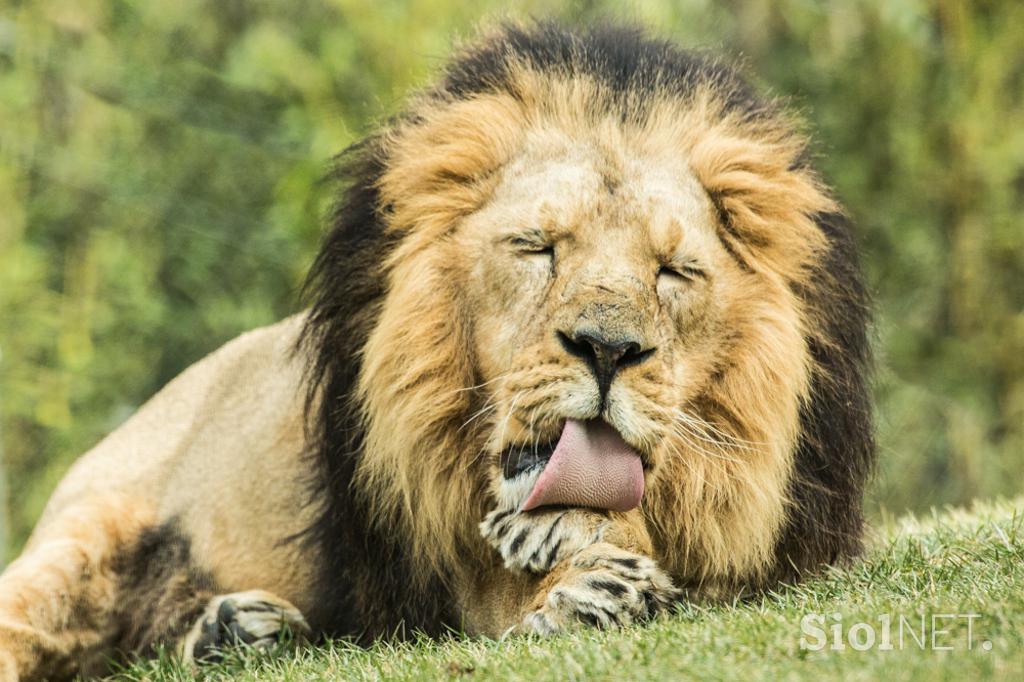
(953, 562)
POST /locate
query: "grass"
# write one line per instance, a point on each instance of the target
(954, 562)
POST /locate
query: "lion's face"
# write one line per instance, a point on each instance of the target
(599, 290)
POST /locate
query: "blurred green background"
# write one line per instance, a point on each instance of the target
(159, 194)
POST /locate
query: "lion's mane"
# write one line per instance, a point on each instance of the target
(398, 486)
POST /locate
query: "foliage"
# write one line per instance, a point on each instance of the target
(160, 167)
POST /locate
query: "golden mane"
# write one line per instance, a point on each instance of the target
(746, 519)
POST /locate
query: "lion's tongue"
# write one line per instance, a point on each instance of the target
(591, 467)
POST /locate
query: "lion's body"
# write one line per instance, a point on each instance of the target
(572, 233)
(237, 416)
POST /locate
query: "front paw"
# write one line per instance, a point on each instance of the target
(605, 587)
(536, 541)
(257, 619)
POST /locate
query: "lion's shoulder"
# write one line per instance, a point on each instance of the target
(245, 396)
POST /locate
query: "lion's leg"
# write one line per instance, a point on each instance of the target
(102, 578)
(597, 568)
(255, 618)
(535, 541)
(58, 601)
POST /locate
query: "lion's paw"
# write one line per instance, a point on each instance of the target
(535, 541)
(604, 587)
(256, 619)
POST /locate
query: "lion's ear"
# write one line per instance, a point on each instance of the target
(766, 194)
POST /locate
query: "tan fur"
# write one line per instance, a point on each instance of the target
(714, 505)
(220, 451)
(70, 565)
(463, 362)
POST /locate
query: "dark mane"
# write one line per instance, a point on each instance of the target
(365, 580)
(624, 59)
(836, 452)
(366, 586)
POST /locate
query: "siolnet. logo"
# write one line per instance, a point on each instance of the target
(893, 632)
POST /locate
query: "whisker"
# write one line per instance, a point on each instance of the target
(481, 385)
(692, 430)
(694, 438)
(688, 437)
(489, 406)
(715, 430)
(511, 411)
(533, 432)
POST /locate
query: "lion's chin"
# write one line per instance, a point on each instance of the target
(590, 466)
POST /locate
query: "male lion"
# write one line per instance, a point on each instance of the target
(588, 336)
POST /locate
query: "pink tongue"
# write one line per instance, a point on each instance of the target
(591, 467)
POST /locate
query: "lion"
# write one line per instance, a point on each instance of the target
(587, 336)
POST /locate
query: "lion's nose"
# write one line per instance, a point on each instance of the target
(604, 354)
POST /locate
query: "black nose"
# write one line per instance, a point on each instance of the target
(605, 355)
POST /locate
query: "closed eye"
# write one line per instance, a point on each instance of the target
(538, 250)
(530, 247)
(685, 272)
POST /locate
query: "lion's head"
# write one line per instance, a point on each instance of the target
(584, 231)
